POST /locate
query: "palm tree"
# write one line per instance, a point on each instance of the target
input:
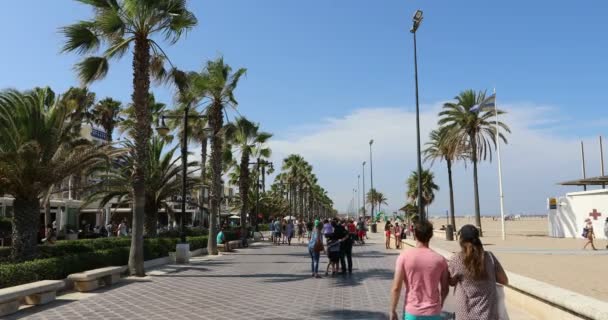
(380, 199)
(244, 136)
(39, 148)
(217, 83)
(474, 120)
(446, 144)
(79, 101)
(122, 24)
(163, 181)
(428, 188)
(156, 109)
(106, 114)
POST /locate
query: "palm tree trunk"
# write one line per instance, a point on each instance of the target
(201, 203)
(109, 130)
(47, 210)
(244, 192)
(141, 88)
(476, 183)
(216, 122)
(26, 218)
(150, 224)
(452, 214)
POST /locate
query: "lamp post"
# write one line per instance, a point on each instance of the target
(163, 130)
(371, 175)
(417, 19)
(358, 198)
(363, 173)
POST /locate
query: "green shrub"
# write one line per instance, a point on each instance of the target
(67, 257)
(60, 267)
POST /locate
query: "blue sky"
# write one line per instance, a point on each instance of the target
(314, 64)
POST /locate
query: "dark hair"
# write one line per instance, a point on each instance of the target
(472, 253)
(423, 231)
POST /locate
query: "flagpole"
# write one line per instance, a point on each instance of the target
(501, 195)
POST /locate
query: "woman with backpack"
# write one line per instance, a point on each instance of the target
(589, 234)
(474, 272)
(315, 247)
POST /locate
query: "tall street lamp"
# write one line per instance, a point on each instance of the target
(183, 249)
(417, 19)
(363, 172)
(371, 174)
(358, 198)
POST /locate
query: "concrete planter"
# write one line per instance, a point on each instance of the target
(182, 253)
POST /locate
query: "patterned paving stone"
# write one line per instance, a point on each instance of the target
(262, 282)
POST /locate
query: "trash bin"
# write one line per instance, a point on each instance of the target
(449, 232)
(374, 228)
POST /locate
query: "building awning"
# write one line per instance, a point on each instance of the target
(593, 181)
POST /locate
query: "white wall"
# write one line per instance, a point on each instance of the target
(568, 219)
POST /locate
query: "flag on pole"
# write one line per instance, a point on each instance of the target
(489, 102)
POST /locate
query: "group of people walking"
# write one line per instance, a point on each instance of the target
(427, 277)
(335, 238)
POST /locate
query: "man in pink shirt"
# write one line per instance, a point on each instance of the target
(425, 275)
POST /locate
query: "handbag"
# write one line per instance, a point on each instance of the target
(500, 296)
(318, 245)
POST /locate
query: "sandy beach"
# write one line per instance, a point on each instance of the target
(529, 252)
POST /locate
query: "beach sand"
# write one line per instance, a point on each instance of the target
(529, 252)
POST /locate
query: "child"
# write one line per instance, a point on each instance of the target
(333, 253)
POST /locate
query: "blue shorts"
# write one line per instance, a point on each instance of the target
(407, 316)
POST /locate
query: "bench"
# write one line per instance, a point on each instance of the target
(91, 279)
(35, 293)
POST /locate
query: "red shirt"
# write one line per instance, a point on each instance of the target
(352, 228)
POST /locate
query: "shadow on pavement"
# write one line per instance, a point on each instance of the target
(357, 278)
(351, 314)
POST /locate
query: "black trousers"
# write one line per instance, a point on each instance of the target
(346, 251)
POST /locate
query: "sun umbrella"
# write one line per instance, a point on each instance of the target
(289, 218)
(234, 217)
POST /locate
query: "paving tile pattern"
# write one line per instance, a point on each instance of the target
(261, 282)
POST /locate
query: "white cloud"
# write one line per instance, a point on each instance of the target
(537, 157)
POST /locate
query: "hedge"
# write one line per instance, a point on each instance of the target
(81, 255)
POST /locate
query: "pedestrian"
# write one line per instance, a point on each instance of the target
(474, 272)
(397, 230)
(589, 234)
(221, 240)
(346, 248)
(300, 231)
(352, 229)
(315, 247)
(122, 229)
(387, 233)
(361, 231)
(289, 231)
(606, 231)
(109, 228)
(310, 227)
(425, 275)
(333, 253)
(328, 229)
(51, 236)
(277, 231)
(271, 227)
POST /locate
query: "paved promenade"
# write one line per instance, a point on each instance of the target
(260, 282)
